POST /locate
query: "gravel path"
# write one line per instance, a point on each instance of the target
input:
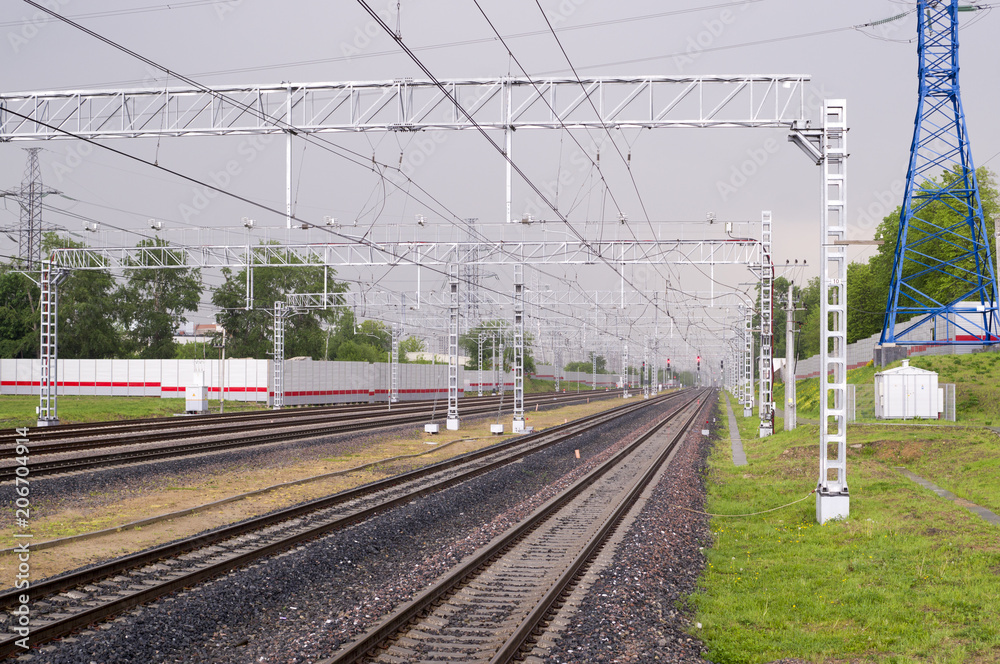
(300, 606)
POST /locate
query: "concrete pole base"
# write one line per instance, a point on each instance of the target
(452, 424)
(832, 506)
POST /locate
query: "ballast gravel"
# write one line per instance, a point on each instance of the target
(635, 612)
(300, 606)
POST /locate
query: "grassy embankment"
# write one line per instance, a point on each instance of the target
(908, 577)
(977, 392)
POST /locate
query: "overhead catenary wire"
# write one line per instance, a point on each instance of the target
(290, 128)
(514, 166)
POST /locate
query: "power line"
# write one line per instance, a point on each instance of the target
(285, 126)
(448, 95)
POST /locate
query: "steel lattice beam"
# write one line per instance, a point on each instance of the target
(408, 105)
(354, 254)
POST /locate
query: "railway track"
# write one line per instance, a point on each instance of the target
(71, 601)
(488, 608)
(106, 432)
(242, 434)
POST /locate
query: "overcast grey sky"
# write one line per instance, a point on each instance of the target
(681, 174)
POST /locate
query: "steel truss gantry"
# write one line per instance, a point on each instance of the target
(408, 104)
(505, 103)
(370, 254)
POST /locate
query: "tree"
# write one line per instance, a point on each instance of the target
(88, 320)
(249, 332)
(494, 333)
(18, 314)
(588, 366)
(939, 285)
(153, 300)
(411, 344)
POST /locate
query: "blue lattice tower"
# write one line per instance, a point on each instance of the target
(943, 281)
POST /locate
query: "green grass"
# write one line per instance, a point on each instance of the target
(977, 391)
(908, 577)
(19, 411)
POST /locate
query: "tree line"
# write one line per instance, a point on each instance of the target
(868, 282)
(137, 315)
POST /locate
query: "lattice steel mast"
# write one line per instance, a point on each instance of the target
(29, 198)
(942, 243)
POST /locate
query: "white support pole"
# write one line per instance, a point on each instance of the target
(288, 161)
(556, 354)
(832, 497)
(278, 358)
(453, 422)
(625, 372)
(482, 337)
(48, 393)
(790, 405)
(508, 140)
(644, 375)
(394, 371)
(518, 424)
(766, 328)
(747, 361)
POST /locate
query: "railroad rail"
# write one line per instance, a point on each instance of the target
(242, 434)
(434, 408)
(488, 608)
(70, 601)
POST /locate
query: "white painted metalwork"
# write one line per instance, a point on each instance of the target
(505, 103)
(452, 422)
(366, 254)
(625, 372)
(832, 497)
(48, 408)
(482, 338)
(747, 361)
(394, 371)
(791, 407)
(766, 329)
(278, 359)
(517, 425)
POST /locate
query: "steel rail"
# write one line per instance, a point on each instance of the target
(378, 635)
(92, 614)
(195, 421)
(46, 468)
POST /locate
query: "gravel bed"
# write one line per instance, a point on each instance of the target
(302, 605)
(105, 487)
(635, 611)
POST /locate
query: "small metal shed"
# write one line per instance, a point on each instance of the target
(907, 392)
